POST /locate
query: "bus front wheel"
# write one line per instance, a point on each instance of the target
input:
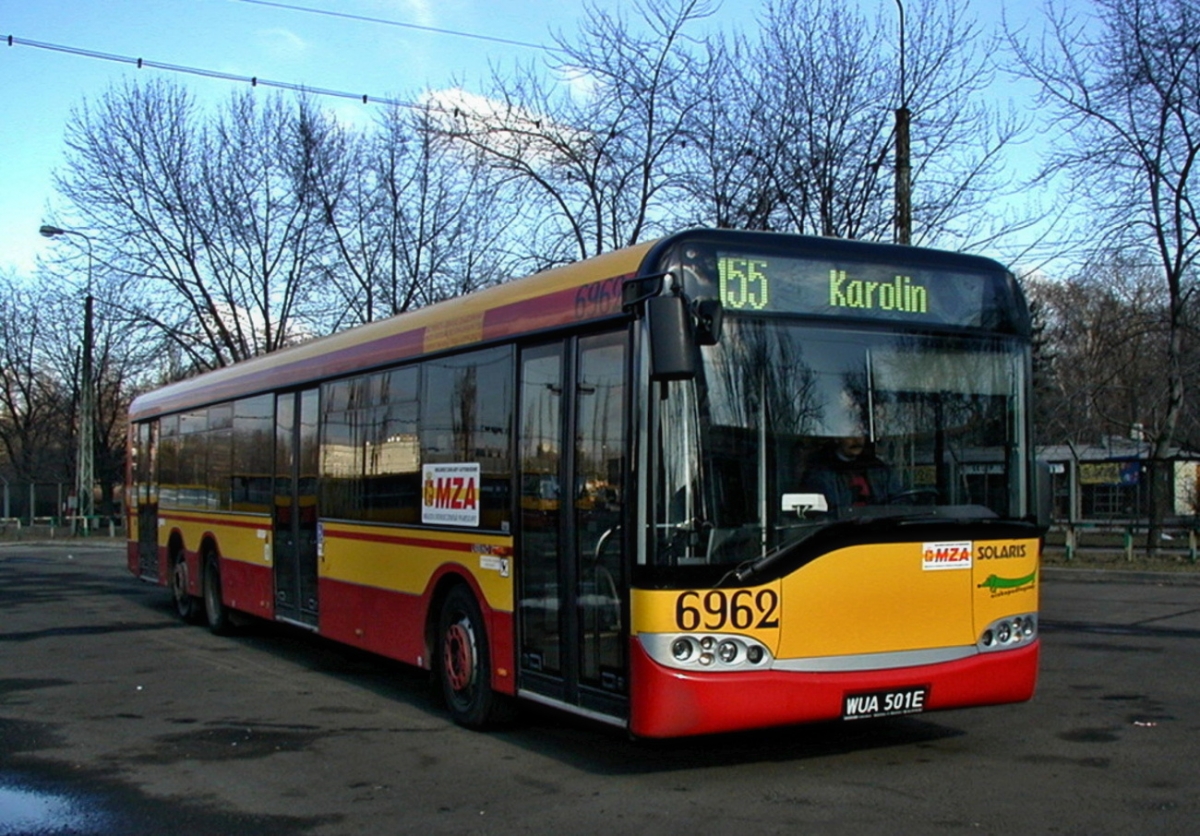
(463, 662)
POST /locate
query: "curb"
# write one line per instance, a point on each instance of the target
(74, 542)
(1058, 573)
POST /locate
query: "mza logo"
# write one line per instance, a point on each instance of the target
(450, 494)
(946, 555)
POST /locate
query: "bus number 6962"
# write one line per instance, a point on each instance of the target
(718, 609)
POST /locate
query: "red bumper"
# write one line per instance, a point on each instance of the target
(671, 703)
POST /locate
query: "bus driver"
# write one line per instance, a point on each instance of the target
(850, 475)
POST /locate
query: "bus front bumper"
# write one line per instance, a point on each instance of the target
(674, 703)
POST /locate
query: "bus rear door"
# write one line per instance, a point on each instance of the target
(295, 507)
(573, 591)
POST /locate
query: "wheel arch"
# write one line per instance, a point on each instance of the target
(498, 625)
(441, 585)
(208, 546)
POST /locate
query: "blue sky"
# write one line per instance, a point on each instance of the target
(39, 87)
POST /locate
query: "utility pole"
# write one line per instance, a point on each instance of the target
(903, 231)
(84, 475)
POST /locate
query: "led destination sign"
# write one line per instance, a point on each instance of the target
(777, 284)
(900, 294)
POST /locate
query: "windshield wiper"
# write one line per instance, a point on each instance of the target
(750, 568)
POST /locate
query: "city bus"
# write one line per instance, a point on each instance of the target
(722, 480)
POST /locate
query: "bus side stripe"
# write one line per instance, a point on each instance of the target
(254, 522)
(417, 542)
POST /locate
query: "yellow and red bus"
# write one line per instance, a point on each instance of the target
(722, 480)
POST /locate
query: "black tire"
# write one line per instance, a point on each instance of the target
(463, 663)
(215, 612)
(187, 606)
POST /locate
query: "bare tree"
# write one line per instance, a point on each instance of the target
(261, 236)
(595, 147)
(1124, 88)
(210, 221)
(126, 360)
(797, 131)
(413, 219)
(1105, 329)
(35, 404)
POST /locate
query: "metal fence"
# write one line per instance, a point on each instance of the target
(52, 505)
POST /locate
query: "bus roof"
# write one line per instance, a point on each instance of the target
(578, 292)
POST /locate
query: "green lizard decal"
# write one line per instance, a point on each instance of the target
(995, 582)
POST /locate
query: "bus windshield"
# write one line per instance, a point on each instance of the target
(791, 426)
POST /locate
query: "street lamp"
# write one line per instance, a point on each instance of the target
(83, 471)
(903, 164)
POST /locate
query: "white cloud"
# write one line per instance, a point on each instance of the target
(460, 103)
(282, 43)
(420, 12)
(581, 84)
(507, 129)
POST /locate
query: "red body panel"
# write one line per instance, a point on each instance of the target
(392, 624)
(249, 588)
(384, 622)
(670, 703)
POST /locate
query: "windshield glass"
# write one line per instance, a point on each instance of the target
(791, 425)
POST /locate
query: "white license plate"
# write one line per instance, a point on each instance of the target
(890, 703)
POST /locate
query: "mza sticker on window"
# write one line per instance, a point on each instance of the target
(450, 494)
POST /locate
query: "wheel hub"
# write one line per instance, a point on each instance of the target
(459, 657)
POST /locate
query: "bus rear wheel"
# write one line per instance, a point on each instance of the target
(215, 612)
(186, 604)
(464, 665)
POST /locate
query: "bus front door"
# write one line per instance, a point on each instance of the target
(572, 595)
(295, 507)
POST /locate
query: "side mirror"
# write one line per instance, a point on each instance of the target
(639, 289)
(671, 355)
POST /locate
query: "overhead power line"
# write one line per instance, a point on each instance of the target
(384, 21)
(254, 81)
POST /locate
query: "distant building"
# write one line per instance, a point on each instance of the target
(1110, 481)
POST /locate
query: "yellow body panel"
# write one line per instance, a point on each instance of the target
(881, 598)
(241, 537)
(875, 599)
(405, 559)
(1006, 579)
(753, 611)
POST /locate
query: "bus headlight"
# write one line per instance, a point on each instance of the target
(707, 652)
(1008, 632)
